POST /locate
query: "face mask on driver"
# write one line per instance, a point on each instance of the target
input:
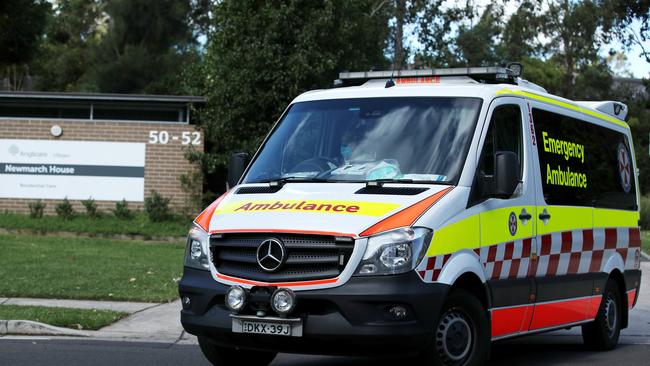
(346, 152)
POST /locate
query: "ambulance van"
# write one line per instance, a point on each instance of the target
(422, 213)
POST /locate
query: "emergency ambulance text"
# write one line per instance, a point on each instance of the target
(565, 177)
(300, 206)
(561, 147)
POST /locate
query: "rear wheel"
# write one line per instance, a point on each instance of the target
(461, 336)
(603, 332)
(223, 356)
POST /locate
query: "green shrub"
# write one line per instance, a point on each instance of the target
(645, 213)
(122, 211)
(65, 210)
(91, 208)
(36, 209)
(157, 207)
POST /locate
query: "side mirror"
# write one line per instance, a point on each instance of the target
(236, 167)
(506, 173)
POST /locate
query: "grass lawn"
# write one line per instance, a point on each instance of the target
(645, 241)
(105, 224)
(89, 268)
(62, 317)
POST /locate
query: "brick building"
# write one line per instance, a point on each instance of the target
(105, 146)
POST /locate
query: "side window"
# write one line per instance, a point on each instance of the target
(504, 134)
(583, 164)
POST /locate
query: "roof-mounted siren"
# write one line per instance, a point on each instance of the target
(516, 68)
(487, 75)
(615, 109)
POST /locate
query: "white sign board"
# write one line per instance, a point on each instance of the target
(50, 169)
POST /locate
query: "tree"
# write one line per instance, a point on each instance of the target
(262, 54)
(477, 44)
(401, 14)
(437, 25)
(73, 33)
(400, 17)
(573, 28)
(520, 36)
(618, 16)
(21, 27)
(144, 48)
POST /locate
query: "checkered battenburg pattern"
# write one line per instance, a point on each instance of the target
(569, 252)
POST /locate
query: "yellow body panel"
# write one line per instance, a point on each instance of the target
(463, 234)
(565, 218)
(494, 225)
(615, 218)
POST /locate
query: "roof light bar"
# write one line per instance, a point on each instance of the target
(459, 71)
(490, 74)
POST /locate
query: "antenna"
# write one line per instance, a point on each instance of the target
(391, 83)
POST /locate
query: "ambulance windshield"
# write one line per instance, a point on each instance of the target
(405, 139)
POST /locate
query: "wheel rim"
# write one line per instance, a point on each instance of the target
(454, 337)
(611, 317)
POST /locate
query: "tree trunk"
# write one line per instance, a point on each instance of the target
(400, 14)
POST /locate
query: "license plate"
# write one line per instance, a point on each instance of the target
(268, 326)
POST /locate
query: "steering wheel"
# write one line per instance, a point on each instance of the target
(318, 164)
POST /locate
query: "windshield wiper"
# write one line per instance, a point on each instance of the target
(279, 182)
(274, 182)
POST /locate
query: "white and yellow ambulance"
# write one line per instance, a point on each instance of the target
(424, 212)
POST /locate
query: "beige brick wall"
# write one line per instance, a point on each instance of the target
(163, 165)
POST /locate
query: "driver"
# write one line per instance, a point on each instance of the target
(360, 158)
(353, 147)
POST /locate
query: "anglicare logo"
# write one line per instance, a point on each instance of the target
(13, 150)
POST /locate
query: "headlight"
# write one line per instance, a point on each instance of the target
(196, 253)
(394, 252)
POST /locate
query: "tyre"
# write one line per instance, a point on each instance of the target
(223, 356)
(462, 335)
(602, 334)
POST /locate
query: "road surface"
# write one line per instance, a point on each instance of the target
(538, 350)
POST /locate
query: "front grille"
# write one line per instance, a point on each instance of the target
(308, 257)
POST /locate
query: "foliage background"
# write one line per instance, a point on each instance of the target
(250, 58)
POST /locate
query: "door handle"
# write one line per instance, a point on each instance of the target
(545, 216)
(525, 216)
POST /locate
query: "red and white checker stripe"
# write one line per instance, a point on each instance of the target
(430, 268)
(583, 251)
(561, 253)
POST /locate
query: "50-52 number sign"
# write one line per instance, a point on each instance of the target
(163, 137)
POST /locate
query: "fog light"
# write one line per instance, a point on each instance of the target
(368, 269)
(398, 312)
(283, 301)
(186, 302)
(236, 298)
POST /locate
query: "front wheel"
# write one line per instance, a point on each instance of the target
(223, 356)
(602, 334)
(461, 337)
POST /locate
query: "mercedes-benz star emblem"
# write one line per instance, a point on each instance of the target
(270, 255)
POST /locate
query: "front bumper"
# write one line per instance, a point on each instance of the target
(348, 320)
